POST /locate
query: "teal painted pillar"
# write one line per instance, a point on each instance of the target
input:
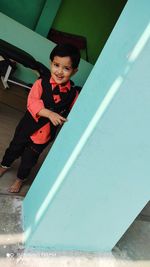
(95, 180)
(47, 16)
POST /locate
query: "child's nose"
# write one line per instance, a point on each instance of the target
(60, 70)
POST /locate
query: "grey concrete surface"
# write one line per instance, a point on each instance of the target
(132, 250)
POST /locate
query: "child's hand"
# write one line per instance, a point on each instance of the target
(56, 119)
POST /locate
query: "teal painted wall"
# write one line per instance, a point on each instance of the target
(95, 180)
(25, 12)
(92, 19)
(37, 15)
(47, 16)
(36, 45)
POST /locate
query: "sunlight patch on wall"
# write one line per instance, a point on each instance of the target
(140, 44)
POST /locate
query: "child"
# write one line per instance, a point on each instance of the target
(49, 102)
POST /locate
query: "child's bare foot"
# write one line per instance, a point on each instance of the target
(16, 186)
(3, 170)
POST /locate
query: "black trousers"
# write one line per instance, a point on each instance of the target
(28, 151)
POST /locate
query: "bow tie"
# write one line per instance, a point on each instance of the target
(57, 88)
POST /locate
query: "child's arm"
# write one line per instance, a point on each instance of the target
(54, 117)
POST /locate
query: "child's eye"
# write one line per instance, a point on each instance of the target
(56, 65)
(67, 68)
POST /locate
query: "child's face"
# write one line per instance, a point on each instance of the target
(61, 69)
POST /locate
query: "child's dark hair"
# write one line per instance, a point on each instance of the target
(67, 50)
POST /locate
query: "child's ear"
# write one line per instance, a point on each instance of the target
(74, 71)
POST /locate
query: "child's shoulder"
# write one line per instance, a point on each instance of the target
(37, 83)
(76, 87)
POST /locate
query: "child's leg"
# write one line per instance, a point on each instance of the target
(28, 160)
(12, 152)
(3, 169)
(15, 149)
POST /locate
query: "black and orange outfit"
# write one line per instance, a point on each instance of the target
(34, 133)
